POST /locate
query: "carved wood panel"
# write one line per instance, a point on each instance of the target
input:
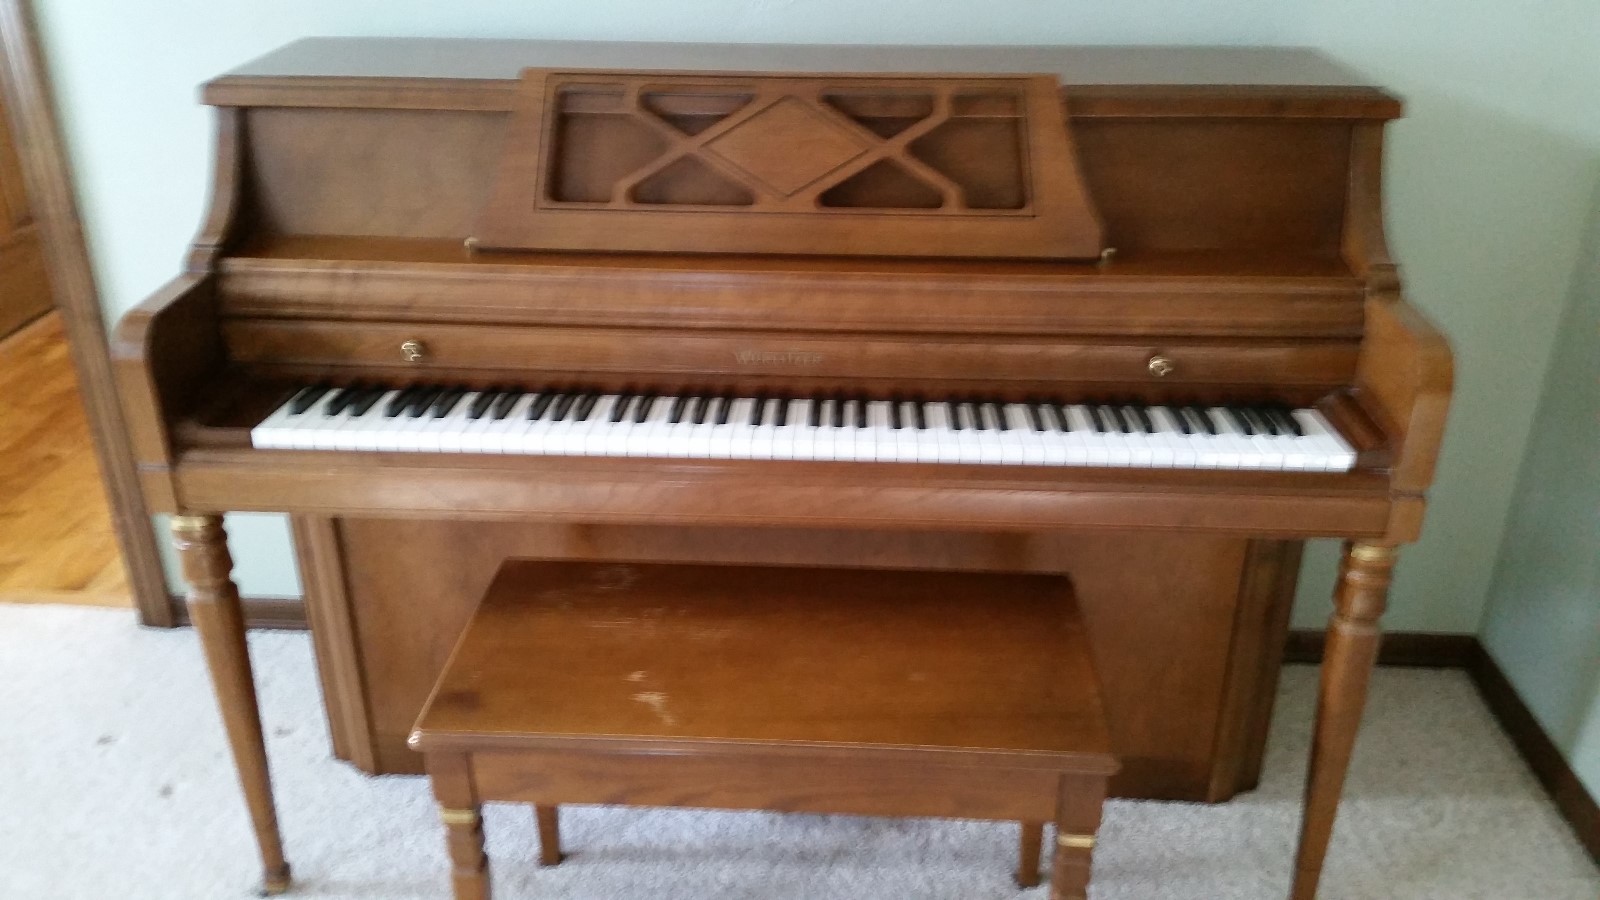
(929, 166)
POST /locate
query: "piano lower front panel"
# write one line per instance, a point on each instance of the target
(1188, 630)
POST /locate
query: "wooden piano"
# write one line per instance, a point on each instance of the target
(1123, 313)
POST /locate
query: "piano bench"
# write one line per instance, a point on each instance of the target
(844, 691)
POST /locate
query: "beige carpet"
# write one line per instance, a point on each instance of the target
(115, 783)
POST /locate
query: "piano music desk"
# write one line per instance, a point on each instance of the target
(857, 692)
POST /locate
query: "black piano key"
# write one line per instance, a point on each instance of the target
(646, 403)
(1183, 422)
(974, 415)
(836, 411)
(306, 397)
(781, 412)
(1141, 419)
(680, 403)
(894, 413)
(815, 419)
(398, 404)
(1287, 423)
(1239, 421)
(482, 402)
(758, 409)
(1063, 422)
(1124, 419)
(1261, 423)
(342, 398)
(1103, 423)
(919, 412)
(368, 399)
(1201, 417)
(999, 413)
(954, 410)
(723, 405)
(562, 405)
(697, 409)
(620, 411)
(1034, 418)
(860, 412)
(585, 407)
(422, 399)
(503, 403)
(447, 401)
(1106, 421)
(541, 403)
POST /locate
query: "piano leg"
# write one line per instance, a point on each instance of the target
(213, 603)
(1347, 661)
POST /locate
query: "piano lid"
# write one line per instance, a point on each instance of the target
(479, 74)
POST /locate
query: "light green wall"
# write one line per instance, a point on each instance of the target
(1543, 620)
(1495, 173)
(1481, 218)
(1488, 181)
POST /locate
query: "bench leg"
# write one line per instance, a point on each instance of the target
(549, 834)
(1028, 854)
(451, 774)
(1077, 820)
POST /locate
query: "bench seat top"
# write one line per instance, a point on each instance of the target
(932, 667)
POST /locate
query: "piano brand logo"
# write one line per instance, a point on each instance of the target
(777, 358)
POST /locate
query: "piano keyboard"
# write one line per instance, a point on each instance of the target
(446, 419)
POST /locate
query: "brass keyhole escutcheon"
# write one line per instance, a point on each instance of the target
(414, 351)
(1160, 366)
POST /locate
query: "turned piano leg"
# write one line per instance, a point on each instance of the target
(1347, 661)
(213, 603)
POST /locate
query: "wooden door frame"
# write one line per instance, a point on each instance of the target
(47, 179)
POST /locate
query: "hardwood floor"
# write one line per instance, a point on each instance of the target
(56, 540)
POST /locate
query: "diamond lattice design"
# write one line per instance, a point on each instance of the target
(788, 145)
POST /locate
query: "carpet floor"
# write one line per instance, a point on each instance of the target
(115, 782)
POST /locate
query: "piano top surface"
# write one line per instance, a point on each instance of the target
(501, 59)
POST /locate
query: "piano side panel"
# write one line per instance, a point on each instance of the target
(400, 173)
(1182, 636)
(1276, 186)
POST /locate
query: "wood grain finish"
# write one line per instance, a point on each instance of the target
(705, 355)
(1241, 191)
(27, 98)
(1348, 658)
(1179, 597)
(818, 165)
(56, 540)
(851, 691)
(213, 604)
(24, 290)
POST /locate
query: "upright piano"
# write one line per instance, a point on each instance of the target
(1125, 313)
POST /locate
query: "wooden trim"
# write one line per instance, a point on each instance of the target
(1410, 649)
(1571, 798)
(49, 184)
(260, 613)
(320, 553)
(1253, 662)
(1538, 751)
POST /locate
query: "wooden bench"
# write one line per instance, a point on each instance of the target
(861, 692)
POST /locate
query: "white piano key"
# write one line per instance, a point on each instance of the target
(1166, 445)
(498, 437)
(273, 432)
(1336, 455)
